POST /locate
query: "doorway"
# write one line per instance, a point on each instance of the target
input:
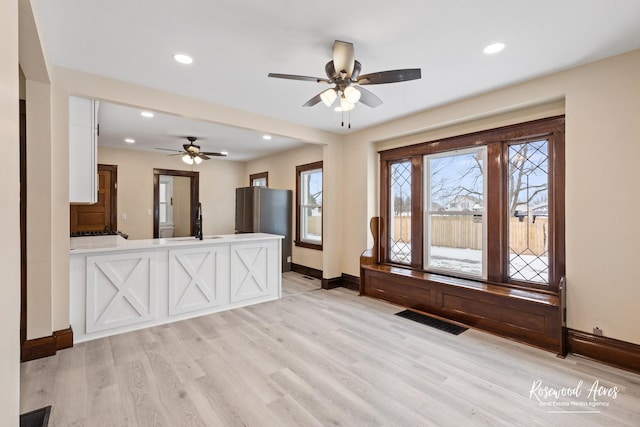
(103, 215)
(175, 201)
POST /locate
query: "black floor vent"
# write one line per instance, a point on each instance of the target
(37, 418)
(432, 321)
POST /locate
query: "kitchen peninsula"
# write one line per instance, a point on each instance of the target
(120, 285)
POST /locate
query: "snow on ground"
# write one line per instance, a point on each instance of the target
(469, 261)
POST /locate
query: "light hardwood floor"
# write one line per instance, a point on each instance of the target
(318, 358)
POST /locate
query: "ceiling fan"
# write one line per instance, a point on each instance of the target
(344, 73)
(192, 154)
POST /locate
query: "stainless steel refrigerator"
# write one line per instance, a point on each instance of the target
(265, 210)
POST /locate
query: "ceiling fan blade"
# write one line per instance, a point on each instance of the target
(203, 156)
(213, 153)
(313, 101)
(392, 76)
(295, 77)
(343, 57)
(368, 98)
(168, 149)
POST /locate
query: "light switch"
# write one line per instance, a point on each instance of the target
(149, 212)
(124, 216)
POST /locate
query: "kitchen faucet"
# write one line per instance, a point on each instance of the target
(198, 222)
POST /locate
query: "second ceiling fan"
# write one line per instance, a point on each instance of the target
(192, 154)
(344, 73)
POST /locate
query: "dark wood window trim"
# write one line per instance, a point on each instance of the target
(298, 242)
(497, 141)
(255, 176)
(195, 196)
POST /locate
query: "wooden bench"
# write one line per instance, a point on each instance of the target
(528, 316)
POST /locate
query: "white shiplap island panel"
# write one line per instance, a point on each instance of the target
(120, 285)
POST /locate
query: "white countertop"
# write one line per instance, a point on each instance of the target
(93, 244)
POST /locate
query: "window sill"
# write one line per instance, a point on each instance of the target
(502, 289)
(308, 245)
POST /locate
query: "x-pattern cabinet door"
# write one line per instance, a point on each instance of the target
(255, 268)
(197, 278)
(121, 290)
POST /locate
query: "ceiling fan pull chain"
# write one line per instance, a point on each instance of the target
(349, 119)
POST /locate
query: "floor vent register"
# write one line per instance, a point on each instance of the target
(432, 321)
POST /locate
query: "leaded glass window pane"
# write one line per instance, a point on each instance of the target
(528, 200)
(400, 227)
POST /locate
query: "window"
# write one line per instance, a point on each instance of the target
(309, 205)
(487, 206)
(259, 179)
(400, 212)
(528, 199)
(455, 212)
(165, 204)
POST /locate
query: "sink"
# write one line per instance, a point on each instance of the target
(190, 239)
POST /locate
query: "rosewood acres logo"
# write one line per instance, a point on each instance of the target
(584, 397)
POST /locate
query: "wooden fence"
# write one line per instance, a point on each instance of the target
(462, 232)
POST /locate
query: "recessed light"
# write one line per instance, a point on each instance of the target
(129, 140)
(494, 48)
(182, 58)
(266, 137)
(146, 114)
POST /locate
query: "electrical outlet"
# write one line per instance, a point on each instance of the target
(149, 212)
(124, 216)
(289, 259)
(597, 331)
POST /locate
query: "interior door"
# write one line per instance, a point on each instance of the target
(103, 214)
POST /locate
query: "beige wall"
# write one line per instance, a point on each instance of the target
(9, 216)
(218, 180)
(39, 265)
(282, 175)
(602, 105)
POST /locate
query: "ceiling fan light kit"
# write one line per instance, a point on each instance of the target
(352, 94)
(344, 72)
(329, 96)
(192, 154)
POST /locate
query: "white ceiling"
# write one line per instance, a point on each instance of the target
(236, 43)
(118, 122)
